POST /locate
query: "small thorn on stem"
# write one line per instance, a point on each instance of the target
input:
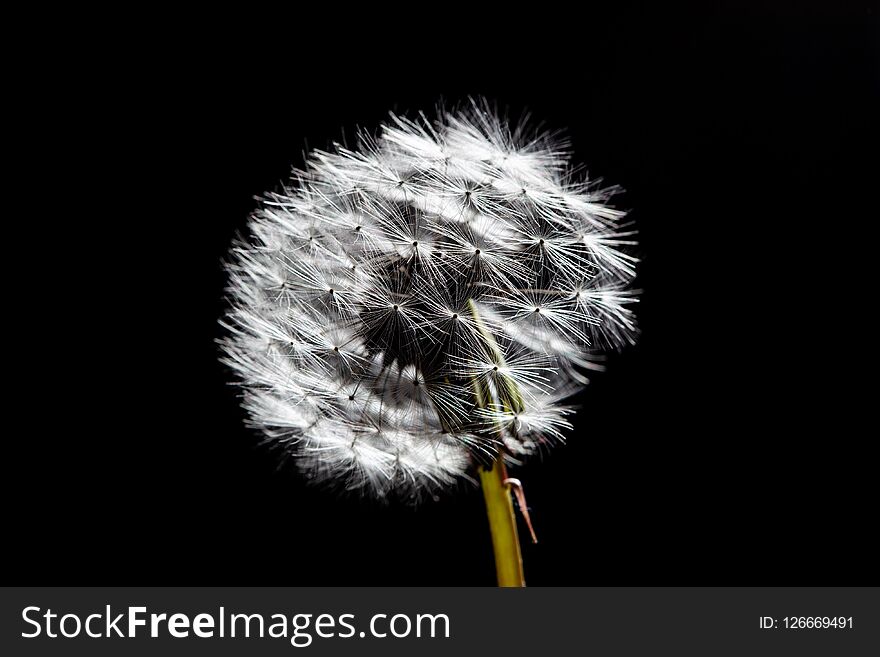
(520, 494)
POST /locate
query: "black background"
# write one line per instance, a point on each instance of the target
(721, 450)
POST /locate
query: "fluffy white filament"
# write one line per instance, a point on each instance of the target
(406, 310)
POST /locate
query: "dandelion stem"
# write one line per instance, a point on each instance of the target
(502, 525)
(499, 505)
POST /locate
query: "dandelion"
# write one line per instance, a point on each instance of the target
(416, 311)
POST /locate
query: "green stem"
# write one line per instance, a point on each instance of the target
(502, 525)
(499, 505)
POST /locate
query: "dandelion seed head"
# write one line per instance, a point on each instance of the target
(405, 310)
